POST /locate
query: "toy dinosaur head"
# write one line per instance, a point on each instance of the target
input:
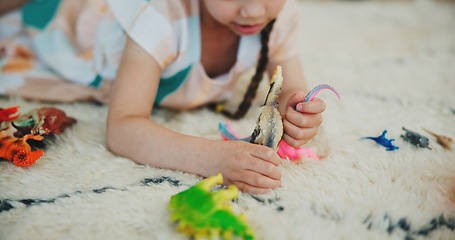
(276, 82)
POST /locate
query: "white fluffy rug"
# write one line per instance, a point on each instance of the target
(393, 64)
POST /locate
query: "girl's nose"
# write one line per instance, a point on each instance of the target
(253, 8)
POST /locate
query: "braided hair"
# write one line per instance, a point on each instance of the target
(250, 94)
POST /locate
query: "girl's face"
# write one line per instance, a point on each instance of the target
(243, 17)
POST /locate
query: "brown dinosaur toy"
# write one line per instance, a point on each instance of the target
(442, 140)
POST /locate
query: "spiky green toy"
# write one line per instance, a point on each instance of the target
(202, 213)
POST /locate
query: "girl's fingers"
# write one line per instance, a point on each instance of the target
(294, 142)
(303, 138)
(314, 106)
(258, 180)
(299, 133)
(295, 99)
(265, 168)
(244, 187)
(303, 120)
(266, 154)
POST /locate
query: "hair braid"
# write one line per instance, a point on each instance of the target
(250, 94)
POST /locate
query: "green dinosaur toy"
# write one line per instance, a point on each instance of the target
(200, 212)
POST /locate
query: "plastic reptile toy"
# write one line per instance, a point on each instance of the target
(312, 94)
(16, 130)
(444, 141)
(284, 150)
(269, 127)
(383, 141)
(415, 139)
(200, 212)
(8, 114)
(16, 150)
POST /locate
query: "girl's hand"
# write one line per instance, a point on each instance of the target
(302, 119)
(252, 168)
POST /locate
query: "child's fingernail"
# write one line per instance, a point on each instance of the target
(299, 107)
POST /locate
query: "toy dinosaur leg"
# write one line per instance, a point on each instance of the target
(24, 158)
(31, 136)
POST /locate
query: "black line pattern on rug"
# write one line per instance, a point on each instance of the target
(270, 201)
(404, 225)
(6, 204)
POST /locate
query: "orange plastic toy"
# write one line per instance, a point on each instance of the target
(16, 129)
(6, 114)
(17, 150)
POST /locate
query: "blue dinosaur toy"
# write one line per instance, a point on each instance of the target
(383, 141)
(415, 139)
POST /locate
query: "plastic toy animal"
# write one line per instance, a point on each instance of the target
(17, 129)
(6, 114)
(43, 121)
(269, 126)
(383, 141)
(312, 94)
(444, 141)
(294, 153)
(415, 139)
(17, 150)
(200, 212)
(284, 150)
(227, 133)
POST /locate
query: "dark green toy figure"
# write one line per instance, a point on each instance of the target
(200, 212)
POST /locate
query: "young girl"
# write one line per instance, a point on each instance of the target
(180, 54)
(195, 51)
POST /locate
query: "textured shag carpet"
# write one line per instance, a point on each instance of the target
(394, 66)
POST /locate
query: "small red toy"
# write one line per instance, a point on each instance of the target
(5, 114)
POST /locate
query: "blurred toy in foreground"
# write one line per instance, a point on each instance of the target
(16, 132)
(415, 139)
(444, 141)
(200, 212)
(383, 141)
